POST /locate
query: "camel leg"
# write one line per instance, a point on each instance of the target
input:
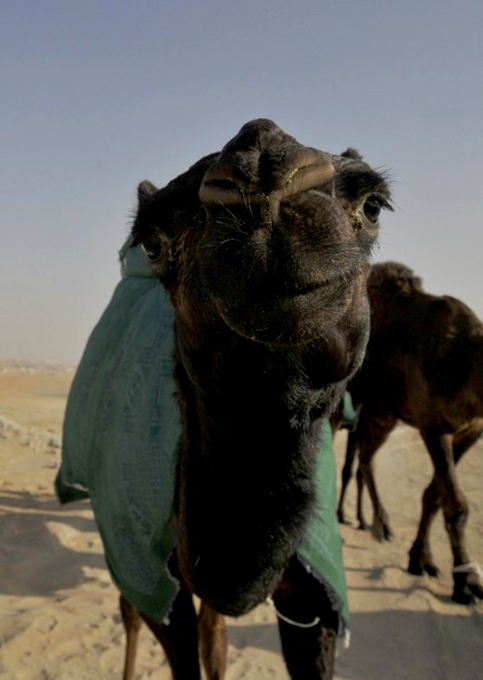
(360, 499)
(350, 454)
(132, 621)
(213, 642)
(374, 432)
(420, 559)
(179, 638)
(467, 588)
(309, 652)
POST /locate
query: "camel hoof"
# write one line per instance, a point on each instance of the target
(388, 535)
(341, 517)
(467, 589)
(362, 526)
(466, 596)
(431, 570)
(417, 566)
(382, 532)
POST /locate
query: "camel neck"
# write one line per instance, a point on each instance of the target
(246, 485)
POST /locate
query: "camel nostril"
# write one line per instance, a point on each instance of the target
(220, 187)
(300, 179)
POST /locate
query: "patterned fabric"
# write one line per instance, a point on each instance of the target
(120, 448)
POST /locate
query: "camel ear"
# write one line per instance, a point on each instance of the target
(152, 229)
(145, 190)
(153, 213)
(351, 153)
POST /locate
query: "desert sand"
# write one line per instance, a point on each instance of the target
(59, 618)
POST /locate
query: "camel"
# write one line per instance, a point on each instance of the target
(264, 251)
(423, 367)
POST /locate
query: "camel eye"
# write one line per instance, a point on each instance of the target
(152, 248)
(372, 208)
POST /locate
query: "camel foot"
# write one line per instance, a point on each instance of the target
(467, 595)
(362, 525)
(341, 517)
(419, 565)
(467, 588)
(428, 568)
(381, 531)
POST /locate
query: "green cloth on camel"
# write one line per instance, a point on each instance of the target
(120, 449)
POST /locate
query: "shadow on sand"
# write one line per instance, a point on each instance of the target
(33, 561)
(419, 645)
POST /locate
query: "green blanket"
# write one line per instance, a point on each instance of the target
(120, 448)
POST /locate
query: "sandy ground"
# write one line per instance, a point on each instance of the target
(59, 618)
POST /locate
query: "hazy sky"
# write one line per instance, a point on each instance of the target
(98, 95)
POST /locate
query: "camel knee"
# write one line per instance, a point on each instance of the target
(431, 498)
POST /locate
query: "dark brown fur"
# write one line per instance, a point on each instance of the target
(424, 366)
(264, 251)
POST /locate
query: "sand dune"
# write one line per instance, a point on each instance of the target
(59, 618)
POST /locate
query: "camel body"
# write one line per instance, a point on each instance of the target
(424, 367)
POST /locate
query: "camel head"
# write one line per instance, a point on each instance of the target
(272, 235)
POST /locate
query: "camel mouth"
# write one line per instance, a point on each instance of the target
(289, 317)
(322, 285)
